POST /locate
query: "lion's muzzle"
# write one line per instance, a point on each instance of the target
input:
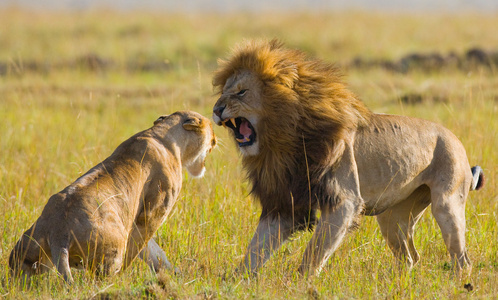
(217, 113)
(243, 130)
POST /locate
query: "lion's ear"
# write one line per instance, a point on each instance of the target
(194, 124)
(160, 119)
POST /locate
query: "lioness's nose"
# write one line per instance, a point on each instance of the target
(218, 111)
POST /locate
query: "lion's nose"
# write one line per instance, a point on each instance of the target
(218, 111)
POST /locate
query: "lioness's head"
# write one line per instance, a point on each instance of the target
(194, 134)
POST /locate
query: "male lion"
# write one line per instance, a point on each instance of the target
(104, 219)
(308, 143)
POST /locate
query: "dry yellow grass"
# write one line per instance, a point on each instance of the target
(74, 85)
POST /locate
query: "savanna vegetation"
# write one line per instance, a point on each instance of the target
(73, 85)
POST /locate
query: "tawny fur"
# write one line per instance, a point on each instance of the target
(317, 146)
(104, 219)
(306, 106)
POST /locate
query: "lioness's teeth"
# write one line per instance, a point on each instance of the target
(239, 140)
(246, 139)
(233, 122)
(223, 123)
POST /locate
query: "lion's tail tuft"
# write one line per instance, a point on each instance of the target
(477, 178)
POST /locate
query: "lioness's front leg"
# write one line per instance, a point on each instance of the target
(155, 257)
(272, 231)
(151, 254)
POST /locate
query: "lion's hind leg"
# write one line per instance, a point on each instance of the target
(397, 225)
(448, 208)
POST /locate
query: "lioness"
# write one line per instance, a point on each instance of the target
(104, 219)
(308, 143)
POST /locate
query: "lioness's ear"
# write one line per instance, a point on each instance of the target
(160, 119)
(192, 124)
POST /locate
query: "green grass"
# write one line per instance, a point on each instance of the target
(58, 121)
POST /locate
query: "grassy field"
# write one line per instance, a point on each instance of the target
(75, 85)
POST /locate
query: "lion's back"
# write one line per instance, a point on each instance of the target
(397, 154)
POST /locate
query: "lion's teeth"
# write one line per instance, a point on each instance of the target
(233, 122)
(223, 123)
(246, 139)
(239, 140)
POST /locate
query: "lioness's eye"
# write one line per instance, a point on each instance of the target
(241, 93)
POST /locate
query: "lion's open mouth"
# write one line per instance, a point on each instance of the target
(245, 135)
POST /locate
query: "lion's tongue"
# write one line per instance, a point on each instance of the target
(244, 129)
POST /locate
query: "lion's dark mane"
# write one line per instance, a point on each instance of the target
(308, 113)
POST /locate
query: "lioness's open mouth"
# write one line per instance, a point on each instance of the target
(245, 135)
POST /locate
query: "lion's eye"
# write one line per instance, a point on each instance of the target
(242, 93)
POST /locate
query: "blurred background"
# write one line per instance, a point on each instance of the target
(265, 5)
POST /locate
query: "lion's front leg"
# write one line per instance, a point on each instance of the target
(271, 232)
(339, 211)
(329, 233)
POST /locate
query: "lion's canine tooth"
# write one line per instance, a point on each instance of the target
(246, 139)
(233, 122)
(223, 123)
(239, 140)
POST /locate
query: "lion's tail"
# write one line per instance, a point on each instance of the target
(477, 178)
